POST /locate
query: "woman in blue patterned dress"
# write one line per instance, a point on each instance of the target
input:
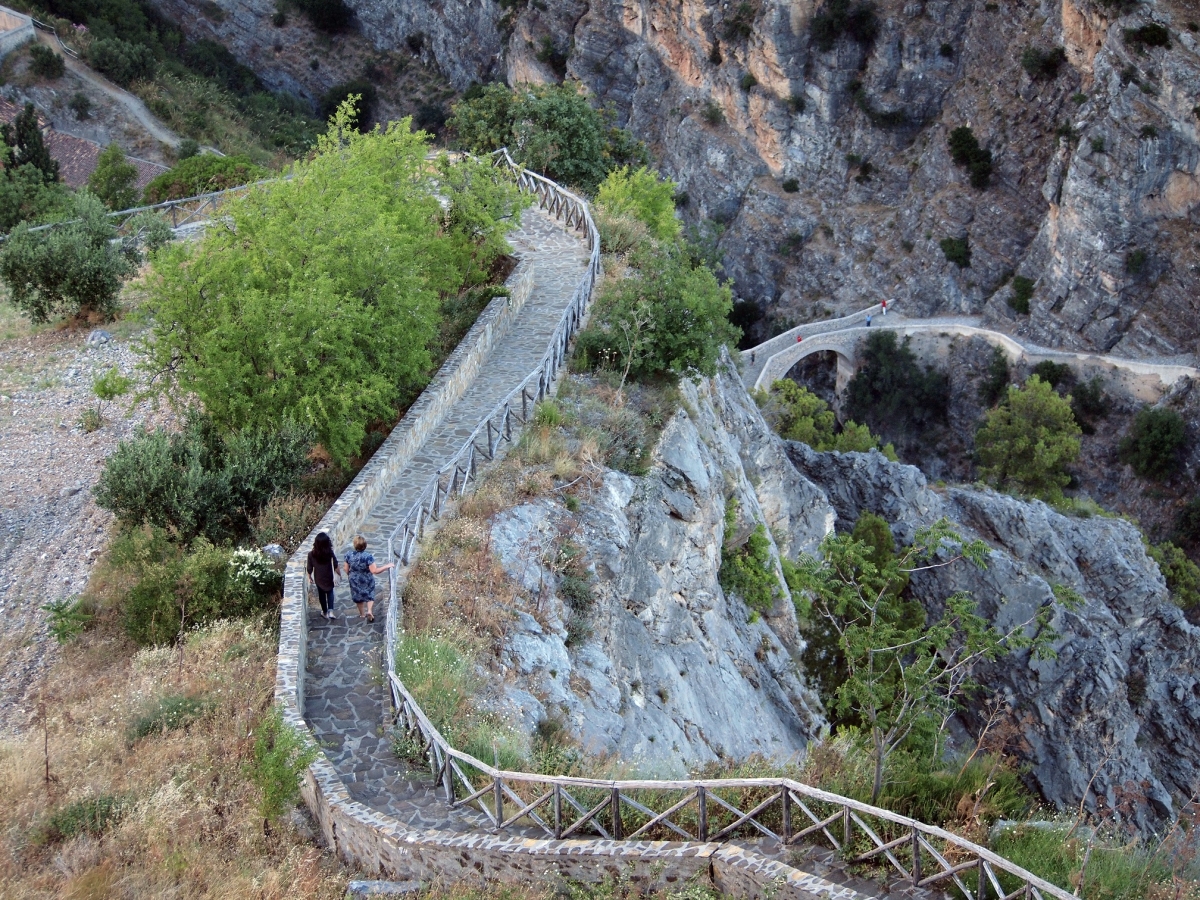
(361, 570)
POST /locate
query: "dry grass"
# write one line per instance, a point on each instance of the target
(190, 825)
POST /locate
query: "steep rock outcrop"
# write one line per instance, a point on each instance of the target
(675, 673)
(1116, 716)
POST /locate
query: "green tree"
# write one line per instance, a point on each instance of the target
(550, 128)
(797, 414)
(1181, 574)
(281, 754)
(642, 194)
(114, 179)
(45, 63)
(1027, 442)
(1154, 442)
(202, 174)
(25, 195)
(72, 269)
(317, 304)
(668, 317)
(892, 393)
(24, 136)
(905, 673)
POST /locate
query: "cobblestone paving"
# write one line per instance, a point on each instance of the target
(346, 701)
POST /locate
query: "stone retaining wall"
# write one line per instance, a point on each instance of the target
(15, 30)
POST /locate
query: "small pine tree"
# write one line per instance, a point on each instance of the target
(1027, 442)
(24, 136)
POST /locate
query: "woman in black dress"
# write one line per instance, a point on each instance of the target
(322, 572)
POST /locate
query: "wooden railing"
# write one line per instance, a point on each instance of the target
(779, 809)
(70, 51)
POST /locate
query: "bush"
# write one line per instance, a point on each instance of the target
(551, 56)
(1022, 293)
(45, 63)
(92, 816)
(281, 754)
(790, 185)
(286, 520)
(839, 19)
(992, 387)
(642, 194)
(145, 234)
(1089, 403)
(748, 572)
(957, 251)
(1151, 35)
(330, 16)
(198, 482)
(1187, 526)
(114, 179)
(740, 25)
(892, 393)
(71, 270)
(748, 81)
(1154, 442)
(966, 151)
(80, 105)
(23, 138)
(619, 233)
(121, 61)
(712, 113)
(66, 619)
(364, 106)
(1027, 442)
(202, 174)
(188, 148)
(797, 414)
(1042, 64)
(169, 713)
(1053, 373)
(1181, 574)
(1135, 262)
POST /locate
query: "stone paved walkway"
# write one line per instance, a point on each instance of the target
(346, 701)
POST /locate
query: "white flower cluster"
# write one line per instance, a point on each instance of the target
(252, 567)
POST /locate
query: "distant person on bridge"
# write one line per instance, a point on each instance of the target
(799, 338)
(883, 306)
(868, 320)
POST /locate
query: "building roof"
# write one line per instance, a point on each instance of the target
(76, 156)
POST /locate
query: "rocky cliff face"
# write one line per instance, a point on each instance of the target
(675, 673)
(1115, 717)
(736, 100)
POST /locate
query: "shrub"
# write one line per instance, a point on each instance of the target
(1150, 35)
(70, 270)
(790, 185)
(1135, 261)
(966, 151)
(1187, 525)
(121, 61)
(330, 16)
(145, 234)
(188, 148)
(892, 393)
(114, 179)
(1089, 403)
(643, 194)
(201, 175)
(80, 105)
(619, 233)
(23, 138)
(797, 414)
(991, 388)
(1052, 373)
(946, 51)
(363, 106)
(748, 81)
(66, 619)
(551, 56)
(712, 113)
(1027, 442)
(45, 63)
(740, 25)
(1022, 293)
(198, 482)
(281, 754)
(1042, 64)
(92, 816)
(957, 251)
(286, 520)
(1097, 145)
(1154, 442)
(747, 571)
(430, 117)
(838, 18)
(1181, 574)
(169, 713)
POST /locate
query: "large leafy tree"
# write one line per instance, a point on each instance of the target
(316, 302)
(797, 414)
(114, 179)
(1027, 442)
(26, 196)
(902, 672)
(72, 269)
(892, 393)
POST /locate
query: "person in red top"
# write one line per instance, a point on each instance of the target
(323, 573)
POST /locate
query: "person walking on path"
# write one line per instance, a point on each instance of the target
(868, 320)
(883, 304)
(323, 573)
(361, 570)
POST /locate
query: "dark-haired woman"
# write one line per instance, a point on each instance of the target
(323, 572)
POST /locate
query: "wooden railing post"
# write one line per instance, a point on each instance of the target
(916, 854)
(786, 801)
(617, 833)
(498, 798)
(557, 810)
(702, 803)
(845, 829)
(981, 891)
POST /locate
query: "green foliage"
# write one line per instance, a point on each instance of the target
(712, 113)
(642, 194)
(748, 81)
(904, 674)
(92, 816)
(1150, 35)
(553, 57)
(740, 24)
(619, 233)
(1182, 575)
(66, 619)
(1042, 64)
(1022, 293)
(966, 151)
(1027, 442)
(72, 270)
(548, 414)
(550, 128)
(1089, 403)
(992, 386)
(892, 393)
(1135, 261)
(319, 303)
(121, 61)
(748, 571)
(438, 676)
(45, 63)
(669, 317)
(24, 138)
(957, 251)
(1187, 525)
(330, 16)
(1054, 374)
(188, 148)
(145, 233)
(359, 93)
(839, 18)
(26, 196)
(797, 414)
(201, 174)
(1097, 144)
(198, 482)
(168, 713)
(114, 179)
(281, 755)
(790, 185)
(1154, 442)
(80, 105)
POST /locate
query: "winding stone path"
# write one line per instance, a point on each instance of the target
(347, 703)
